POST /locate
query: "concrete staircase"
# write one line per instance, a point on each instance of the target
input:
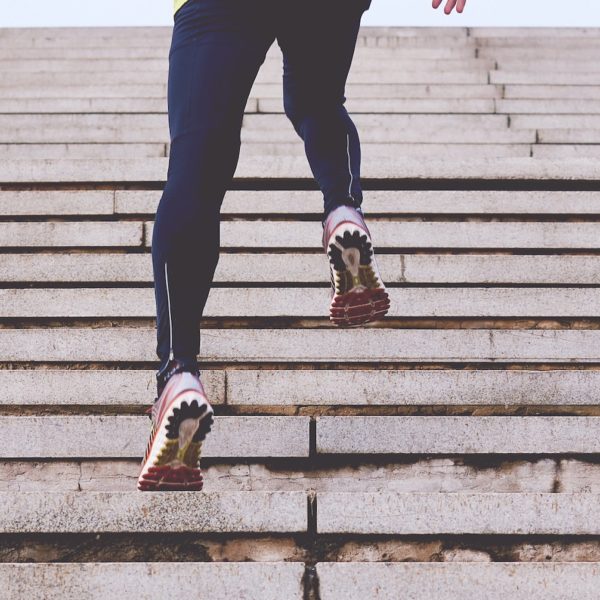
(449, 452)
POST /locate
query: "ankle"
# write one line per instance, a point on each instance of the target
(173, 367)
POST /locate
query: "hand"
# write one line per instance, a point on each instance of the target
(450, 4)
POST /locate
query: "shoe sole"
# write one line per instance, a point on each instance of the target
(359, 293)
(170, 467)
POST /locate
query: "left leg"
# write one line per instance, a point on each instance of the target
(317, 40)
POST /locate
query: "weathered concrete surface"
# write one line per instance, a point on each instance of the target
(89, 234)
(368, 344)
(457, 435)
(154, 581)
(458, 581)
(423, 475)
(125, 437)
(405, 387)
(136, 511)
(63, 387)
(306, 302)
(493, 513)
(296, 167)
(294, 234)
(288, 387)
(414, 234)
(276, 267)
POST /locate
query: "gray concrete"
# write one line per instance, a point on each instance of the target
(411, 387)
(290, 266)
(52, 202)
(113, 151)
(430, 474)
(154, 581)
(368, 344)
(414, 234)
(458, 581)
(135, 511)
(290, 202)
(460, 513)
(303, 234)
(306, 302)
(277, 167)
(375, 202)
(126, 437)
(99, 234)
(578, 92)
(457, 435)
(64, 387)
(275, 387)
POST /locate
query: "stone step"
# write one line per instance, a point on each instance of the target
(456, 435)
(260, 267)
(548, 106)
(385, 234)
(330, 474)
(523, 64)
(286, 202)
(133, 150)
(308, 387)
(251, 302)
(272, 168)
(272, 437)
(303, 234)
(455, 76)
(458, 581)
(566, 151)
(580, 136)
(127, 436)
(362, 61)
(257, 149)
(127, 387)
(35, 106)
(371, 344)
(94, 93)
(277, 138)
(572, 121)
(105, 234)
(459, 513)
(399, 105)
(543, 77)
(99, 512)
(161, 50)
(154, 581)
(251, 122)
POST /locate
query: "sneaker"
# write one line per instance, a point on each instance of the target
(181, 417)
(358, 293)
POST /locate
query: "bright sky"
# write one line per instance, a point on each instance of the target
(498, 13)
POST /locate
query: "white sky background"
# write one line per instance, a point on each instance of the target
(495, 13)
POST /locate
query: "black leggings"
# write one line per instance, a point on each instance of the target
(216, 50)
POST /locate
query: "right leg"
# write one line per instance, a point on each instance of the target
(216, 51)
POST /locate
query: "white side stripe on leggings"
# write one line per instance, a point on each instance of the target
(170, 319)
(349, 167)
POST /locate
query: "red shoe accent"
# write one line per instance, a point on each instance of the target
(181, 419)
(358, 292)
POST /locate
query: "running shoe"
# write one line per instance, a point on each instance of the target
(358, 292)
(181, 417)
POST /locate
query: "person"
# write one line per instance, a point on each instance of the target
(217, 47)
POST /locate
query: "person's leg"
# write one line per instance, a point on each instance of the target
(216, 50)
(318, 41)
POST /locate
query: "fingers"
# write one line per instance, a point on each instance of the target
(450, 5)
